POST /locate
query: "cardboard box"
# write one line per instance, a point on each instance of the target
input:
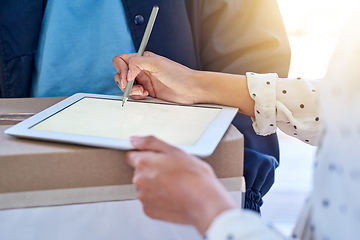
(38, 173)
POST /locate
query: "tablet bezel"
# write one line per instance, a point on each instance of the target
(204, 147)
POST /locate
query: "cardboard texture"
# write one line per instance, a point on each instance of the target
(38, 173)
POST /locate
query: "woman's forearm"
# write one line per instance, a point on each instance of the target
(223, 89)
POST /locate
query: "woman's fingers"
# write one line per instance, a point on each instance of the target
(120, 60)
(159, 76)
(121, 63)
(117, 79)
(138, 90)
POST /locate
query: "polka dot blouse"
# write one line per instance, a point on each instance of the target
(290, 104)
(333, 208)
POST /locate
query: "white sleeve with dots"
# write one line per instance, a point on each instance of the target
(241, 224)
(290, 104)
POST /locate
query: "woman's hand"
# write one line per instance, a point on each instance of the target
(174, 186)
(162, 78)
(155, 76)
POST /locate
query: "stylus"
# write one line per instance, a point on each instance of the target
(141, 50)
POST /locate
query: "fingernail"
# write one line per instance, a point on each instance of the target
(129, 76)
(134, 140)
(137, 92)
(122, 83)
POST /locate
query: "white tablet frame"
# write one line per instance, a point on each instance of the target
(204, 146)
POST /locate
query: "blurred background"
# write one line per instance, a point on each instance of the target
(313, 27)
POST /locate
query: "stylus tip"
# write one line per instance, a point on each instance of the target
(123, 101)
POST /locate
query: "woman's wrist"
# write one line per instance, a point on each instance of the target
(203, 222)
(208, 87)
(209, 202)
(223, 89)
(198, 87)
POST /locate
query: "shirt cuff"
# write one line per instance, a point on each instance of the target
(262, 88)
(240, 224)
(223, 225)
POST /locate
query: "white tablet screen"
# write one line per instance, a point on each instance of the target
(175, 124)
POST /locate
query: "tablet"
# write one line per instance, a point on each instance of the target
(101, 121)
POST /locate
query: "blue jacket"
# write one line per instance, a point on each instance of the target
(184, 32)
(21, 23)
